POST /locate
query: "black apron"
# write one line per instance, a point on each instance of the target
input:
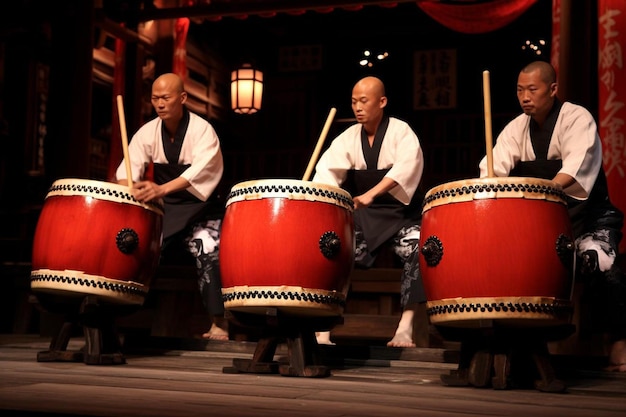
(181, 209)
(385, 216)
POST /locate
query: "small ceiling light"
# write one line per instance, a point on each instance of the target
(367, 61)
(533, 47)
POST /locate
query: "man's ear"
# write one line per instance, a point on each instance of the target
(554, 88)
(183, 97)
(383, 102)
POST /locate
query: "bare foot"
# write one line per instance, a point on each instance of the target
(323, 338)
(617, 357)
(401, 339)
(404, 332)
(216, 333)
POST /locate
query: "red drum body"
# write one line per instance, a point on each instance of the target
(94, 238)
(287, 244)
(497, 249)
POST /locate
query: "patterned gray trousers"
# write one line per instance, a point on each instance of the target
(204, 243)
(405, 245)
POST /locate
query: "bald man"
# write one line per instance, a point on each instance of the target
(559, 141)
(379, 161)
(188, 167)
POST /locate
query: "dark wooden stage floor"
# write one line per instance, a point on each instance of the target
(188, 378)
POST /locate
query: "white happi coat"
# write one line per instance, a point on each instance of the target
(200, 149)
(575, 141)
(400, 152)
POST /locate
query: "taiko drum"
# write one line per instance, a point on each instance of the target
(289, 245)
(94, 238)
(497, 248)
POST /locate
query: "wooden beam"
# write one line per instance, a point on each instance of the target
(217, 10)
(118, 31)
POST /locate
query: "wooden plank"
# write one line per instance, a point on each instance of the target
(191, 383)
(366, 326)
(375, 286)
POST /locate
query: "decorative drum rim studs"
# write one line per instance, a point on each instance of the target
(293, 189)
(67, 281)
(493, 187)
(291, 297)
(91, 188)
(543, 311)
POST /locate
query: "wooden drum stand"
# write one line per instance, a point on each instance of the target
(298, 332)
(506, 357)
(97, 320)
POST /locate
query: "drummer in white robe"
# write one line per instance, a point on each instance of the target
(560, 141)
(188, 166)
(379, 161)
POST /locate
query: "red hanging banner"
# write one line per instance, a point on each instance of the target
(556, 35)
(179, 65)
(612, 98)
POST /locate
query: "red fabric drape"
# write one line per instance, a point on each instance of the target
(612, 98)
(476, 18)
(556, 35)
(179, 64)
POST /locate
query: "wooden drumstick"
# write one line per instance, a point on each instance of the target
(320, 142)
(488, 133)
(120, 111)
